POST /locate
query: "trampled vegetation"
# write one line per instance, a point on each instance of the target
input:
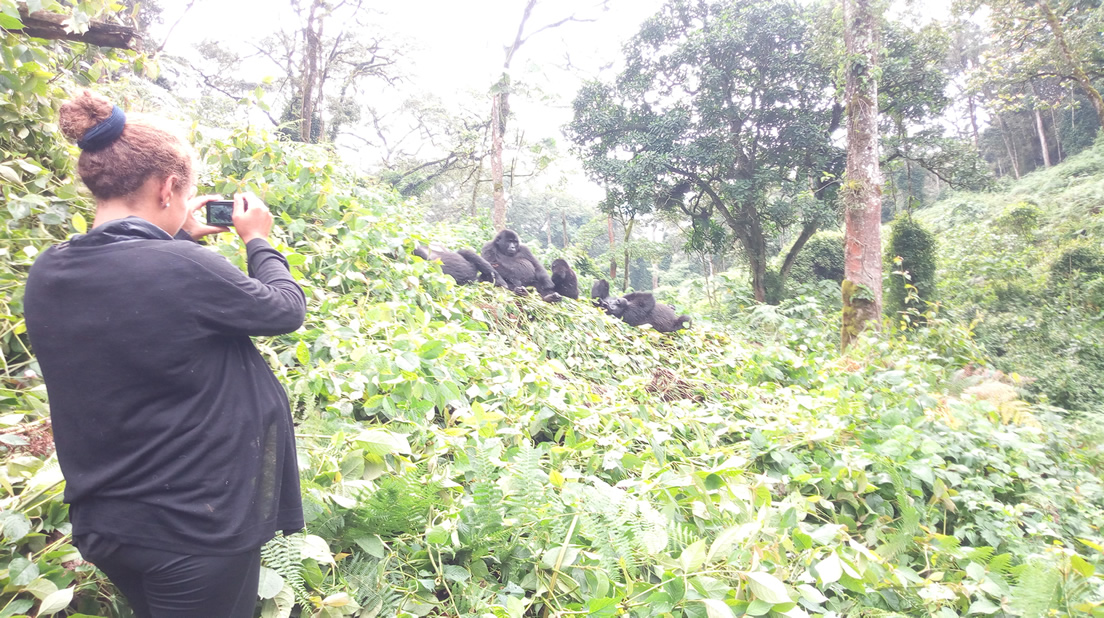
(469, 452)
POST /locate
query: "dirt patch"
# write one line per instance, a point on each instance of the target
(39, 437)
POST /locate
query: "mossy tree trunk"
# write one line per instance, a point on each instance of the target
(862, 195)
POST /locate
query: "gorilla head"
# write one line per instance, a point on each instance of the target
(507, 243)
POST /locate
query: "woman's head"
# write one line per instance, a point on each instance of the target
(149, 164)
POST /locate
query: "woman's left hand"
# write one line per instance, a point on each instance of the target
(193, 226)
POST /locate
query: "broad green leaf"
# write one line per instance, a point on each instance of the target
(830, 569)
(79, 224)
(758, 608)
(56, 602)
(455, 573)
(17, 606)
(316, 548)
(437, 535)
(767, 587)
(16, 526)
(811, 594)
(6, 172)
(22, 571)
(432, 349)
(717, 609)
(693, 557)
(603, 607)
(382, 442)
(983, 606)
(1082, 566)
(270, 584)
(302, 353)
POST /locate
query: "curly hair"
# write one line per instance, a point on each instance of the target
(147, 148)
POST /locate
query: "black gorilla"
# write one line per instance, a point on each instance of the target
(638, 308)
(567, 284)
(463, 265)
(599, 293)
(516, 265)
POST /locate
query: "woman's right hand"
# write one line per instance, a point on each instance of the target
(254, 221)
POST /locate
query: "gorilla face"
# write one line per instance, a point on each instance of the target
(616, 306)
(507, 243)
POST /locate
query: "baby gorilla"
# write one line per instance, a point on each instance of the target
(567, 284)
(600, 294)
(518, 268)
(465, 266)
(638, 308)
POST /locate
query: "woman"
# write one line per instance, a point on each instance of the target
(174, 436)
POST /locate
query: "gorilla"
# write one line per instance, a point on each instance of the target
(599, 293)
(637, 308)
(518, 268)
(567, 284)
(464, 265)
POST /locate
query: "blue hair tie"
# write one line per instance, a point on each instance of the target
(104, 133)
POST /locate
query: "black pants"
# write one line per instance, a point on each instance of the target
(161, 584)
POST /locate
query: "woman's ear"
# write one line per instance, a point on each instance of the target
(165, 191)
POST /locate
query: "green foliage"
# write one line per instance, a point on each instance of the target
(1023, 264)
(467, 452)
(911, 251)
(1022, 218)
(820, 260)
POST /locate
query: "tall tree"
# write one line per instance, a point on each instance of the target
(500, 108)
(862, 194)
(721, 111)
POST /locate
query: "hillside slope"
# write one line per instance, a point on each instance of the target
(1026, 263)
(466, 452)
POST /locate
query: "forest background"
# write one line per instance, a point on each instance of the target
(470, 453)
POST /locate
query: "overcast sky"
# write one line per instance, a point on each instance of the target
(455, 48)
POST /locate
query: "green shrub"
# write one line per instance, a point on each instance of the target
(1021, 218)
(911, 251)
(821, 259)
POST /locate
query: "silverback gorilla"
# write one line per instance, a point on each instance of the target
(465, 266)
(567, 284)
(638, 308)
(518, 268)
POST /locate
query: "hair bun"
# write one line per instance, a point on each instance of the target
(81, 113)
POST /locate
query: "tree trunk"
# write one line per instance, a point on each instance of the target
(1009, 146)
(973, 121)
(1042, 137)
(475, 190)
(310, 71)
(628, 234)
(1057, 134)
(52, 26)
(862, 284)
(787, 264)
(655, 275)
(1078, 71)
(613, 260)
(1039, 128)
(498, 210)
(563, 216)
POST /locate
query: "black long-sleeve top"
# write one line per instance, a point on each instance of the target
(171, 430)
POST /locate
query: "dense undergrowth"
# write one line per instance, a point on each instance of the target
(465, 452)
(1025, 263)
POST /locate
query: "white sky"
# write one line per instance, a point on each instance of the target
(455, 47)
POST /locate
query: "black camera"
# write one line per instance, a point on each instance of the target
(220, 212)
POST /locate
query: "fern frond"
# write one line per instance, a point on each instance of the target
(1036, 590)
(282, 554)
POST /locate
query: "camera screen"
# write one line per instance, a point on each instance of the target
(220, 213)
